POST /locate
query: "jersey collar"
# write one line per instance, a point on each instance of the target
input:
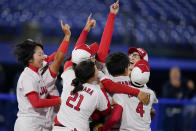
(35, 69)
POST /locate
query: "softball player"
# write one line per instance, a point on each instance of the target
(32, 94)
(80, 97)
(134, 115)
(79, 53)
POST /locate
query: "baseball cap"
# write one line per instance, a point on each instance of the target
(84, 52)
(141, 51)
(141, 73)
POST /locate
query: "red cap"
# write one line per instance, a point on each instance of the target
(141, 51)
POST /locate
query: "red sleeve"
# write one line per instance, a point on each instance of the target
(105, 112)
(82, 38)
(64, 46)
(41, 103)
(114, 87)
(106, 38)
(67, 64)
(114, 118)
(96, 114)
(48, 59)
(52, 97)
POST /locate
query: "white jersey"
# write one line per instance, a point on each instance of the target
(135, 116)
(30, 81)
(75, 110)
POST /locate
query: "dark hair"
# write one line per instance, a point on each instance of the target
(44, 69)
(83, 72)
(116, 63)
(25, 50)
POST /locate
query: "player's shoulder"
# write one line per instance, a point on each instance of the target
(93, 86)
(147, 89)
(152, 93)
(68, 73)
(28, 73)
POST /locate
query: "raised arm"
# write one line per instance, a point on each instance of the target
(59, 57)
(107, 33)
(90, 23)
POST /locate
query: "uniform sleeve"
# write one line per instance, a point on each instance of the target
(106, 38)
(118, 99)
(29, 84)
(102, 101)
(81, 40)
(114, 87)
(68, 64)
(50, 58)
(114, 118)
(48, 78)
(36, 102)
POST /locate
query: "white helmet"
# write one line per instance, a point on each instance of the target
(140, 73)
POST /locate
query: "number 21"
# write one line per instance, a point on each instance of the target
(74, 98)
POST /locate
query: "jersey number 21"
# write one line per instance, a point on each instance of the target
(73, 98)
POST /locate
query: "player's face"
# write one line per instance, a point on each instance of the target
(38, 57)
(133, 58)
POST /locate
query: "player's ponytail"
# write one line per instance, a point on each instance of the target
(83, 72)
(77, 83)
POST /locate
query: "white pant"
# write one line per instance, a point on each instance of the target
(31, 124)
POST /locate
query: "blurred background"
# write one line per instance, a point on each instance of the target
(166, 29)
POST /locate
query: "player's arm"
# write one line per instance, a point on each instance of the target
(50, 58)
(36, 102)
(52, 96)
(90, 23)
(114, 87)
(59, 57)
(114, 118)
(152, 113)
(107, 33)
(68, 64)
(105, 112)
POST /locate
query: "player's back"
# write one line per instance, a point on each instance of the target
(76, 108)
(135, 116)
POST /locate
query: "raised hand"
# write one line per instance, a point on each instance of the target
(66, 30)
(90, 23)
(114, 8)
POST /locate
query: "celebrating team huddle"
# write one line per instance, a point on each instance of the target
(96, 85)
